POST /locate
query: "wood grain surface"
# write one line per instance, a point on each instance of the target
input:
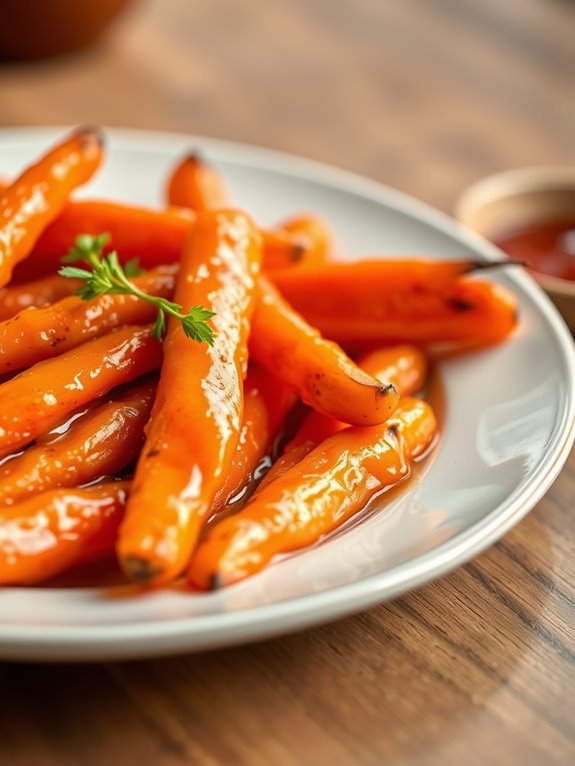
(425, 95)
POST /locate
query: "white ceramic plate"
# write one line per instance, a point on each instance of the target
(508, 429)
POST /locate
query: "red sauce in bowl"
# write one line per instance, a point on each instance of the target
(548, 247)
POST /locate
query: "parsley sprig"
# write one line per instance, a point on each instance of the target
(107, 275)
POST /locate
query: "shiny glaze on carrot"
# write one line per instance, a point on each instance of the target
(98, 444)
(405, 366)
(51, 532)
(155, 237)
(323, 375)
(326, 488)
(38, 195)
(195, 424)
(38, 293)
(314, 235)
(419, 302)
(267, 401)
(42, 333)
(34, 401)
(196, 184)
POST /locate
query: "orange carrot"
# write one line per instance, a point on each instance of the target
(195, 424)
(398, 301)
(404, 366)
(15, 298)
(38, 195)
(155, 237)
(49, 533)
(196, 184)
(266, 403)
(314, 235)
(40, 397)
(326, 488)
(323, 375)
(37, 334)
(98, 444)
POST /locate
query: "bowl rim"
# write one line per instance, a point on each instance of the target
(515, 182)
(509, 183)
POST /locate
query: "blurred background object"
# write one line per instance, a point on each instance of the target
(36, 28)
(425, 95)
(530, 214)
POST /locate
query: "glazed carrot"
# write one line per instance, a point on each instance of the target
(35, 400)
(195, 424)
(323, 375)
(98, 444)
(196, 184)
(15, 298)
(41, 333)
(49, 533)
(266, 403)
(333, 285)
(38, 195)
(398, 301)
(155, 237)
(326, 488)
(314, 235)
(405, 366)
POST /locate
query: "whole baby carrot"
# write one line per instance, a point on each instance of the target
(313, 498)
(267, 400)
(100, 443)
(38, 195)
(40, 292)
(323, 375)
(399, 301)
(314, 235)
(405, 366)
(196, 184)
(155, 237)
(42, 333)
(54, 531)
(195, 423)
(37, 399)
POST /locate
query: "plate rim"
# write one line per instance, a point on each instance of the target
(155, 638)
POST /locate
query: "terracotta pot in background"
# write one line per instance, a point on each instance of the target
(32, 29)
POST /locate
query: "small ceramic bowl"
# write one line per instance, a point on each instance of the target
(504, 202)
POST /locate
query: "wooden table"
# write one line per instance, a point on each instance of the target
(426, 95)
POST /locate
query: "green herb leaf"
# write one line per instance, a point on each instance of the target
(132, 268)
(108, 276)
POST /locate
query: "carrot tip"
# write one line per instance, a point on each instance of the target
(215, 582)
(196, 157)
(140, 570)
(90, 133)
(298, 252)
(387, 390)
